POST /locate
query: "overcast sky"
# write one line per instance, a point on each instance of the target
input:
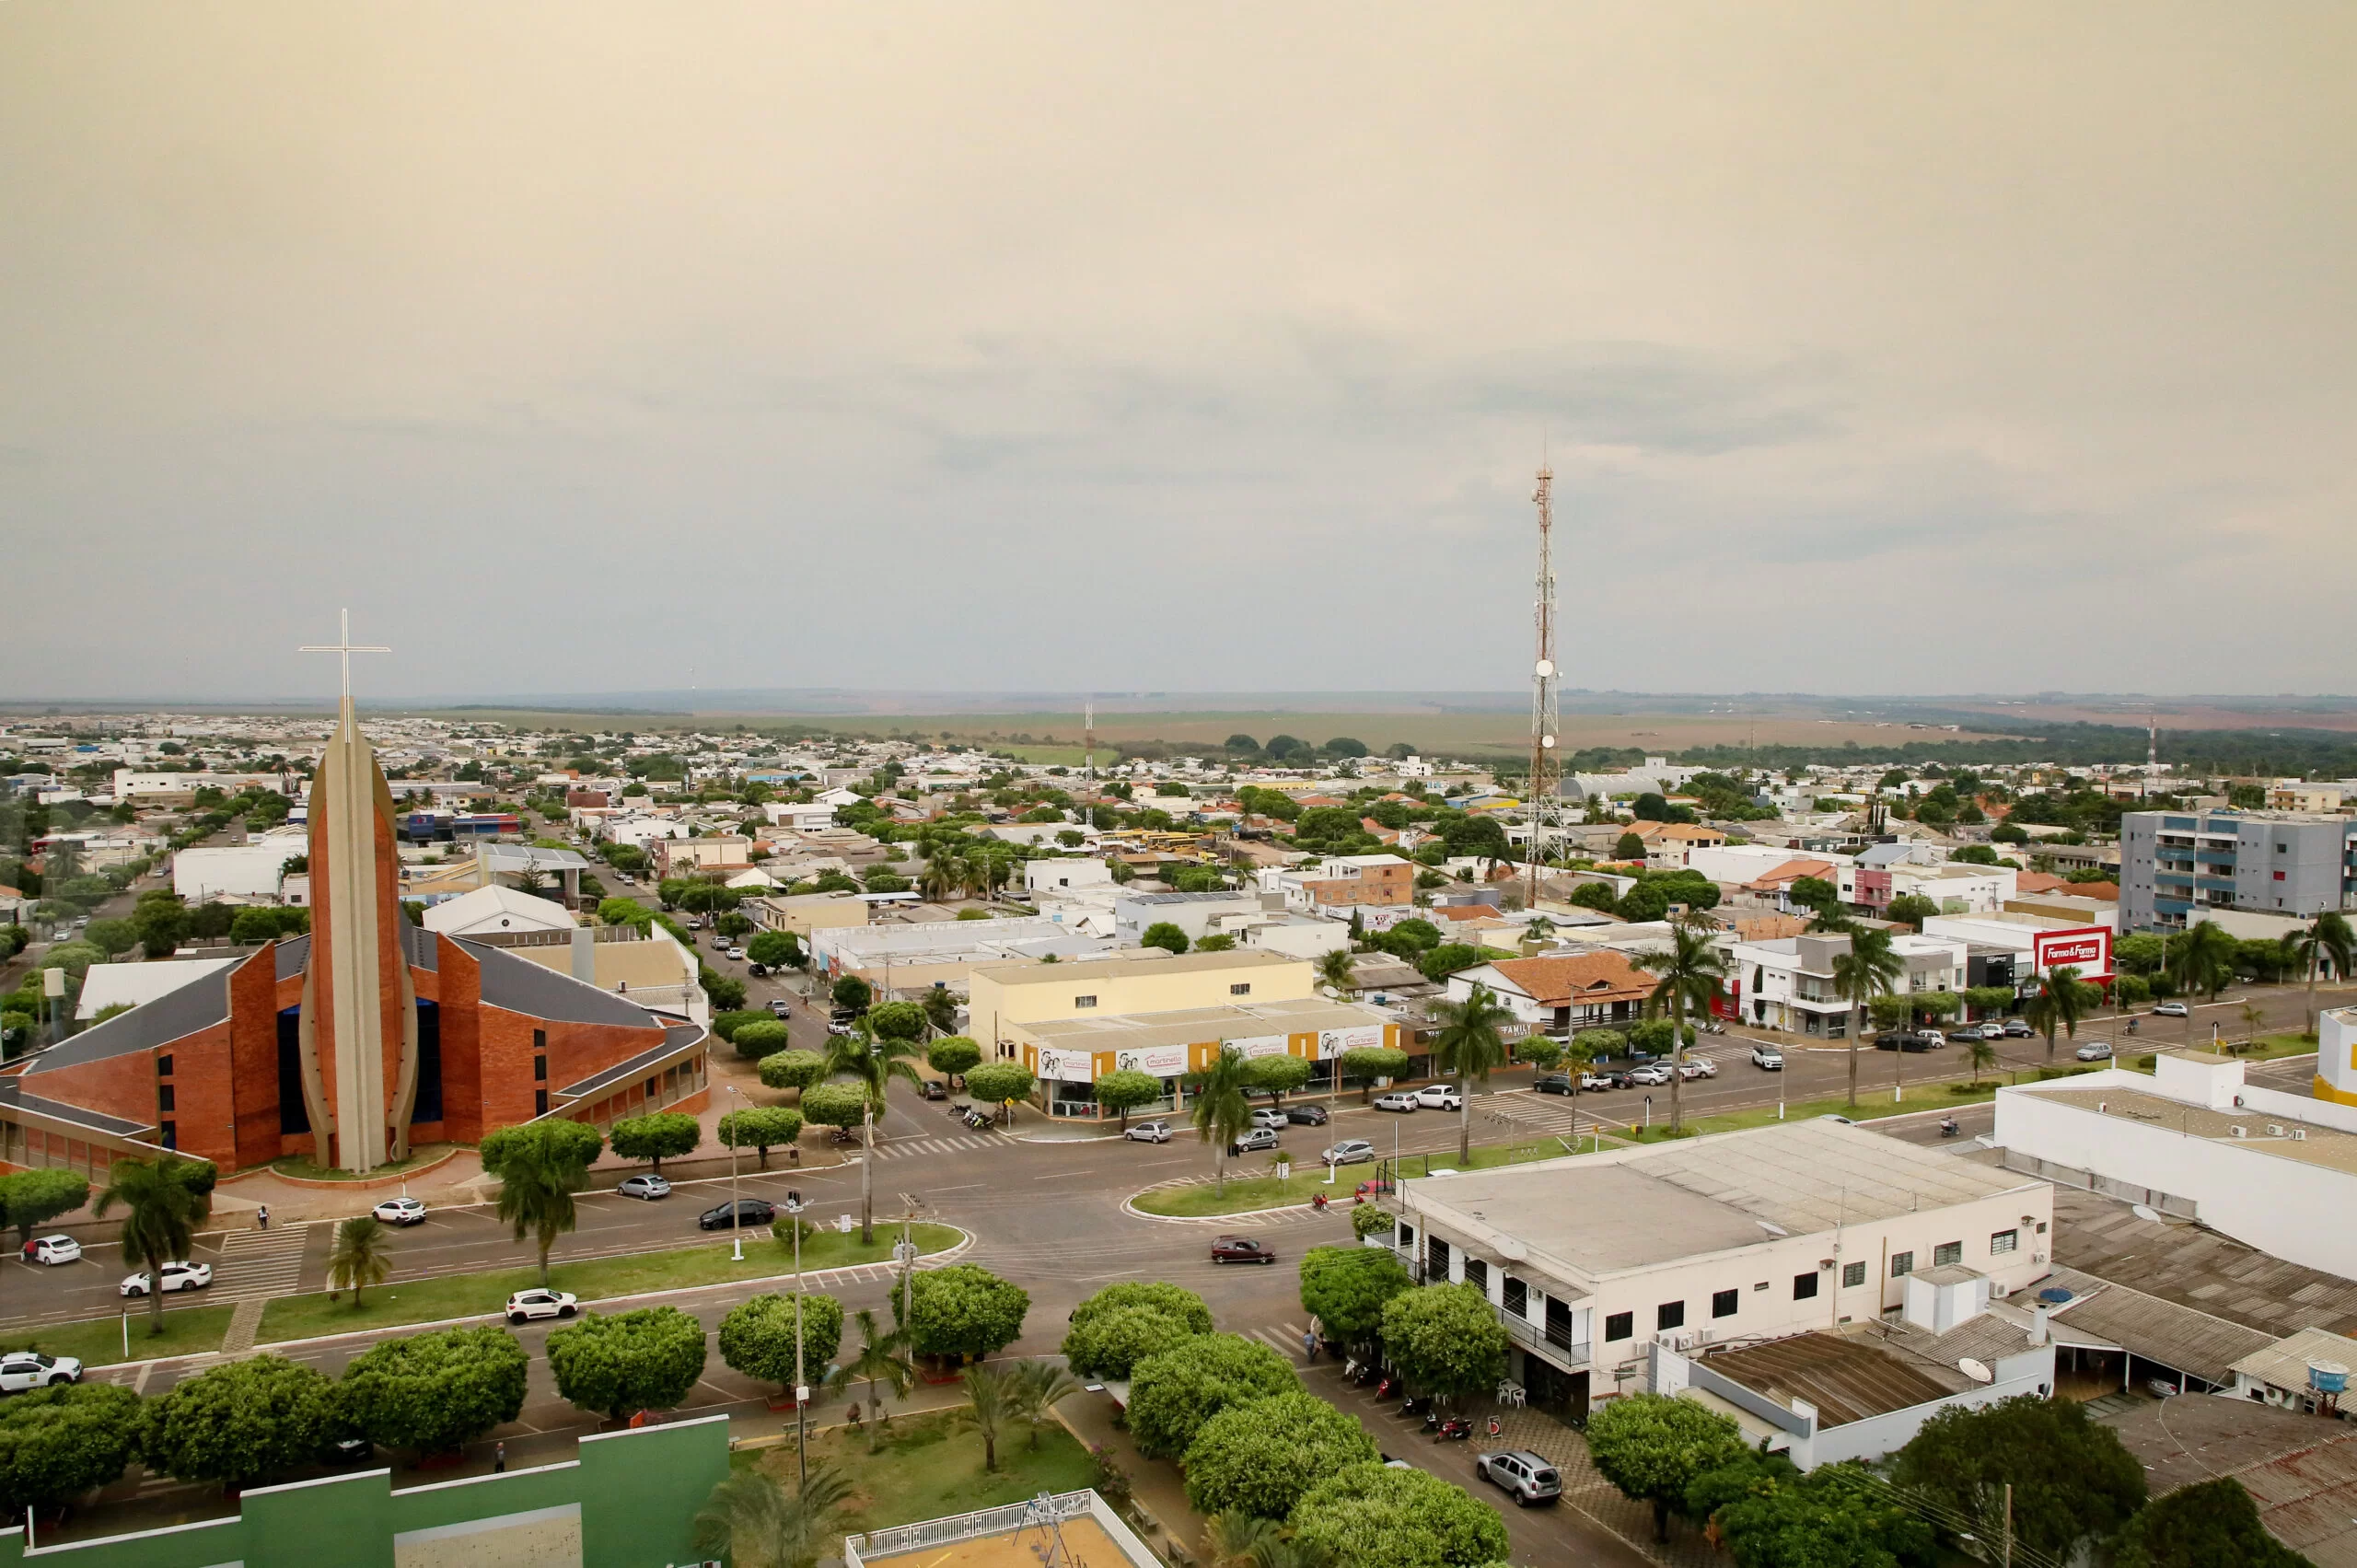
(578, 346)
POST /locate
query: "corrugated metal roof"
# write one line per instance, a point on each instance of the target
(2192, 1341)
(1848, 1378)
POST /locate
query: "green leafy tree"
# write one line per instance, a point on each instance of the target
(540, 1166)
(1692, 971)
(623, 1361)
(1260, 1455)
(162, 926)
(1628, 847)
(1366, 1063)
(111, 937)
(940, 1007)
(1334, 969)
(1277, 1076)
(1110, 1345)
(1539, 1052)
(164, 1200)
(1162, 934)
(1913, 909)
(32, 1198)
(1172, 1394)
(754, 1042)
(1654, 1446)
(1862, 976)
(1446, 1339)
(2060, 1003)
(727, 1025)
(953, 1055)
(358, 1257)
(1000, 1084)
(1367, 1220)
(752, 1521)
(1221, 1111)
(835, 1105)
(1173, 1301)
(757, 1338)
(852, 993)
(763, 1127)
(2203, 960)
(657, 1136)
(435, 1393)
(1347, 1288)
(1472, 1043)
(239, 1422)
(897, 1020)
(1402, 1519)
(797, 1070)
(2213, 1524)
(1838, 1513)
(964, 1312)
(56, 1444)
(1447, 959)
(2327, 939)
(1122, 1090)
(2072, 1479)
(774, 950)
(1814, 893)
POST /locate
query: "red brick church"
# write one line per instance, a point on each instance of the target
(353, 1044)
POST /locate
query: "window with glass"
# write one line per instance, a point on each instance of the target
(1669, 1315)
(1852, 1275)
(1947, 1252)
(1901, 1264)
(1723, 1303)
(1620, 1326)
(1804, 1286)
(1518, 1297)
(2003, 1241)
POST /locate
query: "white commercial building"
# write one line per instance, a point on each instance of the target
(1044, 876)
(2040, 942)
(497, 909)
(1195, 915)
(248, 873)
(2275, 1170)
(1746, 1236)
(1787, 982)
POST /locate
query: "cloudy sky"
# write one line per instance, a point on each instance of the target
(582, 346)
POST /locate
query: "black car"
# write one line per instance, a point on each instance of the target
(1902, 1042)
(1307, 1115)
(933, 1088)
(750, 1211)
(1557, 1084)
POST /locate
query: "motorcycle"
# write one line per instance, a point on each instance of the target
(2132, 1026)
(1456, 1429)
(1412, 1407)
(975, 1119)
(1318, 1202)
(1948, 1128)
(1362, 1373)
(844, 1137)
(1386, 1388)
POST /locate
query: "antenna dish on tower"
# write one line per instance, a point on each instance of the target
(1544, 720)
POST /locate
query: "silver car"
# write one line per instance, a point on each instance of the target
(1150, 1133)
(1350, 1151)
(1525, 1475)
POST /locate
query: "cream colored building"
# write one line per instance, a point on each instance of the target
(803, 912)
(1005, 995)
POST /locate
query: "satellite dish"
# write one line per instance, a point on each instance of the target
(1976, 1370)
(2143, 1213)
(1546, 667)
(1547, 741)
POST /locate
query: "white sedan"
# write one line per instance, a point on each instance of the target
(400, 1211)
(52, 1250)
(178, 1276)
(529, 1304)
(1695, 1067)
(1439, 1096)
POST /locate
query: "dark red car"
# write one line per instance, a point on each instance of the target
(1241, 1249)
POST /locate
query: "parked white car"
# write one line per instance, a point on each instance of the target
(1439, 1096)
(1150, 1133)
(52, 1250)
(1398, 1099)
(24, 1369)
(1695, 1067)
(178, 1276)
(526, 1304)
(400, 1211)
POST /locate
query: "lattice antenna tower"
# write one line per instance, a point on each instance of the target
(1088, 737)
(1544, 720)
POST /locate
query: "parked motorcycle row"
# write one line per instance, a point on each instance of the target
(1442, 1428)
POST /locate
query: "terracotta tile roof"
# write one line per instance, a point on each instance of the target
(2037, 882)
(1583, 978)
(1791, 872)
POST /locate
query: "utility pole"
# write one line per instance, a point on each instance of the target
(2008, 1537)
(1543, 716)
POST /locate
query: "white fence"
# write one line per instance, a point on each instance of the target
(1008, 1520)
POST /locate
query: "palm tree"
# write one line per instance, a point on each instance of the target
(1039, 1386)
(1235, 1538)
(1690, 969)
(879, 1361)
(1335, 968)
(2060, 1003)
(536, 1199)
(1981, 1054)
(940, 877)
(2204, 961)
(1870, 968)
(1221, 1110)
(991, 1397)
(874, 1061)
(1288, 1551)
(164, 1200)
(1471, 1041)
(2253, 1016)
(753, 1522)
(2329, 937)
(359, 1257)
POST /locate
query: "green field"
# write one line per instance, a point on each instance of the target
(596, 1279)
(930, 1466)
(187, 1331)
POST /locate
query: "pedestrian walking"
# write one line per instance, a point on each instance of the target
(262, 1216)
(499, 1458)
(1309, 1344)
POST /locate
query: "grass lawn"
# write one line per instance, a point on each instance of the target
(303, 1169)
(187, 1331)
(2269, 1047)
(468, 1295)
(932, 1465)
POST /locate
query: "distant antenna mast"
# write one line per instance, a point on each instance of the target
(1543, 716)
(2151, 742)
(1088, 736)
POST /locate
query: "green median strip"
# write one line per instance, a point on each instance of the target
(187, 1331)
(593, 1279)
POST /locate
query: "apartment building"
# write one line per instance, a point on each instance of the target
(1344, 882)
(2174, 865)
(1743, 1236)
(1007, 995)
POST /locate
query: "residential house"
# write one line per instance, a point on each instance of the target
(1560, 994)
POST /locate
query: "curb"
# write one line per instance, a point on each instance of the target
(930, 1261)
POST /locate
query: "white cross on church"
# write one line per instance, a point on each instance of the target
(344, 646)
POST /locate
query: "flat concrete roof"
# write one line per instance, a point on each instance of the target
(1189, 1026)
(2324, 1146)
(1129, 965)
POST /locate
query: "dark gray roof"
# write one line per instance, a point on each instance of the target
(292, 955)
(200, 1003)
(522, 986)
(423, 951)
(676, 1038)
(12, 1093)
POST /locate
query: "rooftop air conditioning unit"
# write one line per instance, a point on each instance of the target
(2239, 1131)
(2038, 1257)
(2275, 1129)
(2299, 1134)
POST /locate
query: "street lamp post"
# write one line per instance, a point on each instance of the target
(801, 1384)
(736, 1212)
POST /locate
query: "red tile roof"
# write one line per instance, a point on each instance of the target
(1581, 978)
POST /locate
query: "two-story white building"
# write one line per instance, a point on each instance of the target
(1787, 982)
(1773, 1231)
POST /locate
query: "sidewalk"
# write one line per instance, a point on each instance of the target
(1155, 1484)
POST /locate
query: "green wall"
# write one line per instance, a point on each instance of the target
(638, 1493)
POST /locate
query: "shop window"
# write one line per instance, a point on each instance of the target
(1805, 1286)
(1620, 1326)
(1669, 1315)
(1723, 1303)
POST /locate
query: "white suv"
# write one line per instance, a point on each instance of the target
(1439, 1096)
(23, 1369)
(528, 1303)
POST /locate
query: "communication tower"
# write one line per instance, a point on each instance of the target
(1544, 717)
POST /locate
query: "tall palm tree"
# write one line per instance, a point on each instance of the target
(991, 1398)
(1221, 1110)
(2328, 938)
(162, 1200)
(879, 1361)
(874, 1061)
(1335, 968)
(753, 1522)
(1690, 969)
(1472, 1042)
(2203, 961)
(1039, 1387)
(1981, 1054)
(940, 877)
(1870, 968)
(359, 1257)
(535, 1192)
(2060, 1003)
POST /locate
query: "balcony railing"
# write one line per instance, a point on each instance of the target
(1556, 1344)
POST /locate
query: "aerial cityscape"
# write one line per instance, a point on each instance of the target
(1281, 789)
